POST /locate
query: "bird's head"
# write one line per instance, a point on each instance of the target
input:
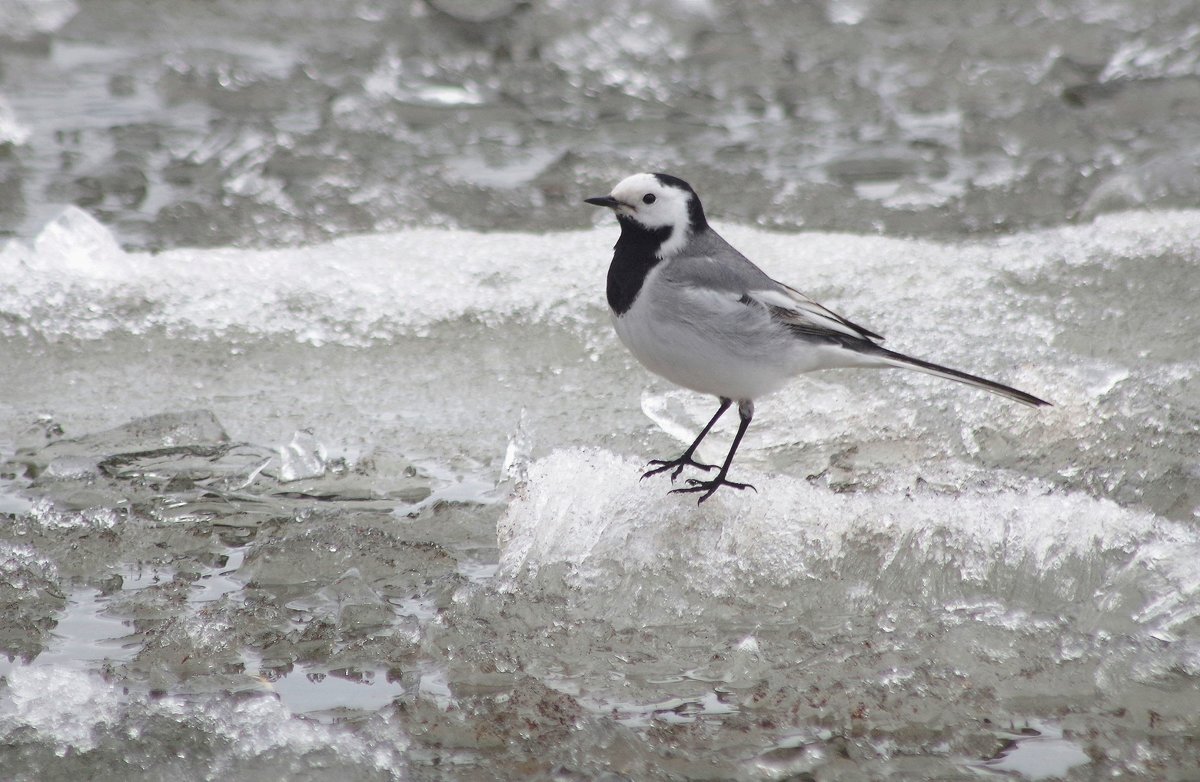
(656, 203)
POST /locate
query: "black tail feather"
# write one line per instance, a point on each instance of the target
(901, 360)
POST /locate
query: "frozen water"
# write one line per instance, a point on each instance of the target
(31, 592)
(82, 717)
(920, 563)
(1040, 752)
(624, 551)
(1168, 177)
(25, 19)
(313, 691)
(250, 492)
(74, 281)
(187, 127)
(302, 458)
(11, 130)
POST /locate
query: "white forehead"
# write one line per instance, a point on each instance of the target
(631, 189)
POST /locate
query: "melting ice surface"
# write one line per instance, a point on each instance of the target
(374, 506)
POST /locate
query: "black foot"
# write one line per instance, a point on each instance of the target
(710, 487)
(678, 464)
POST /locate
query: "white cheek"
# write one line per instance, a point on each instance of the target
(659, 215)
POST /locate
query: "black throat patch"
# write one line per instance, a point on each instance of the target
(633, 258)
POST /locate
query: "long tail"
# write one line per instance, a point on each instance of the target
(908, 362)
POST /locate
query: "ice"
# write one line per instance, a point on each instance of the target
(77, 245)
(918, 555)
(181, 466)
(312, 691)
(22, 20)
(1142, 58)
(1040, 752)
(31, 593)
(78, 712)
(12, 132)
(1024, 308)
(790, 759)
(301, 578)
(74, 280)
(304, 457)
(136, 110)
(585, 527)
(348, 601)
(124, 450)
(1164, 180)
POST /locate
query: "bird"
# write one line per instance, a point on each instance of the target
(697, 312)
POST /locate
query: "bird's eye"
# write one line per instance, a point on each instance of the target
(648, 198)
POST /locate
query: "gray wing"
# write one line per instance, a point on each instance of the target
(710, 262)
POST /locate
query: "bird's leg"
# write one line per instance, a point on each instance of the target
(746, 411)
(686, 459)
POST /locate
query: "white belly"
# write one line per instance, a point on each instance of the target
(712, 342)
(701, 356)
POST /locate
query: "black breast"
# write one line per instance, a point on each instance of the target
(633, 258)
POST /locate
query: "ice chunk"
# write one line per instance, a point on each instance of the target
(161, 434)
(77, 244)
(59, 704)
(304, 457)
(22, 20)
(586, 528)
(1165, 179)
(517, 454)
(77, 712)
(184, 465)
(1140, 58)
(11, 130)
(790, 760)
(349, 602)
(31, 594)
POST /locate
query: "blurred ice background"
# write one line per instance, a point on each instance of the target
(319, 458)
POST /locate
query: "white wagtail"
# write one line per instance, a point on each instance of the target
(696, 311)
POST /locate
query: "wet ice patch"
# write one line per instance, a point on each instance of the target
(1039, 752)
(323, 693)
(183, 465)
(84, 634)
(1168, 178)
(31, 592)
